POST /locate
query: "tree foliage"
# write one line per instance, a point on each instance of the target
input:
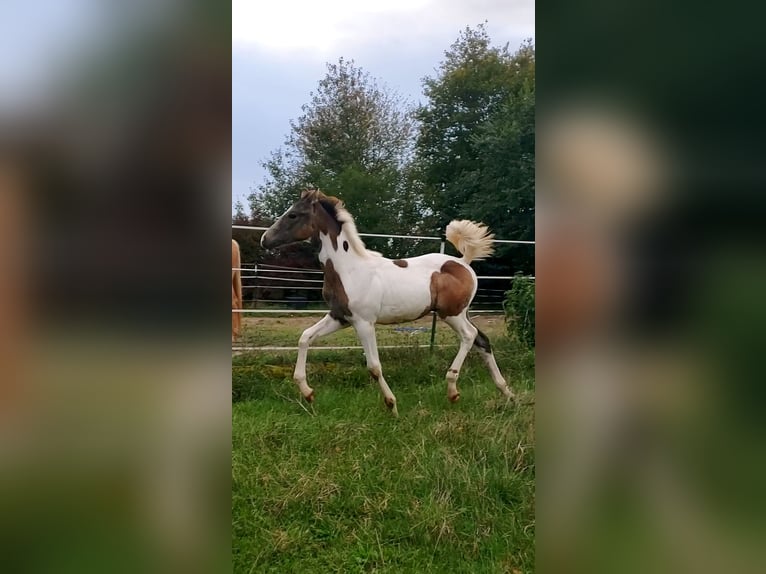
(354, 139)
(476, 146)
(467, 152)
(519, 307)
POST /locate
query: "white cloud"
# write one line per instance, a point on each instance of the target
(320, 28)
(280, 47)
(307, 24)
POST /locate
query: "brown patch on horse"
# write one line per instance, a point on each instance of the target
(314, 214)
(334, 293)
(326, 221)
(305, 231)
(451, 289)
(400, 263)
(374, 374)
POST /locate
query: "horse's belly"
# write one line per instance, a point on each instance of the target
(404, 305)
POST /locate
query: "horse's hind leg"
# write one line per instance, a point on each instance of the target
(482, 345)
(324, 326)
(467, 333)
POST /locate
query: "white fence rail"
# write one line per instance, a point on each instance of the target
(385, 236)
(270, 272)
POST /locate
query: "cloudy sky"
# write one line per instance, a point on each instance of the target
(279, 51)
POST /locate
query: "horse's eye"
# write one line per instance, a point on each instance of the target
(291, 216)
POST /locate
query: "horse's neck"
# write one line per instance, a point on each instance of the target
(344, 260)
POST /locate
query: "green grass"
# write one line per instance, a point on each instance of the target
(285, 331)
(342, 486)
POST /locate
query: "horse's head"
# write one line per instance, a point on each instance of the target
(307, 217)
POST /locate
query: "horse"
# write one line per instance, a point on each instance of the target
(363, 288)
(236, 291)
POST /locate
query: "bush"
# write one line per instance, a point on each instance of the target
(519, 306)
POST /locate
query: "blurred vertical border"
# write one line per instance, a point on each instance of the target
(650, 283)
(115, 146)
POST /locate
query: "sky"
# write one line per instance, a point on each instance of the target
(280, 49)
(279, 52)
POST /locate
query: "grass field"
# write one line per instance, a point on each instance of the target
(342, 486)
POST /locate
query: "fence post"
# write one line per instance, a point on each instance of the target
(255, 291)
(433, 313)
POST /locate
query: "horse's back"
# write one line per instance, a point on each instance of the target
(408, 285)
(434, 262)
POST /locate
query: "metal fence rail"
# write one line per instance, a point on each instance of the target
(267, 272)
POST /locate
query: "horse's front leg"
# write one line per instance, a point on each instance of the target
(325, 326)
(366, 332)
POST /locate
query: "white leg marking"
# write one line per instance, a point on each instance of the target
(366, 332)
(497, 378)
(494, 371)
(324, 326)
(467, 333)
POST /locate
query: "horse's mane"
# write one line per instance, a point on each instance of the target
(337, 210)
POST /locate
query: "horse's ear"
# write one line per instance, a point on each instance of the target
(310, 194)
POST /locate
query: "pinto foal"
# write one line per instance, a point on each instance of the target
(363, 288)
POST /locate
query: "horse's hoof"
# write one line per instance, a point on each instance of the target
(454, 398)
(391, 404)
(310, 398)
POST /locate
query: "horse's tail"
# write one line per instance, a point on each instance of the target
(471, 239)
(236, 289)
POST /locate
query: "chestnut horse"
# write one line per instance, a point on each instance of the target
(236, 291)
(363, 288)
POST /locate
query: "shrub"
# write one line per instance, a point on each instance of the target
(519, 306)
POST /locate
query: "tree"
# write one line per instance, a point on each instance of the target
(476, 147)
(239, 213)
(501, 187)
(354, 140)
